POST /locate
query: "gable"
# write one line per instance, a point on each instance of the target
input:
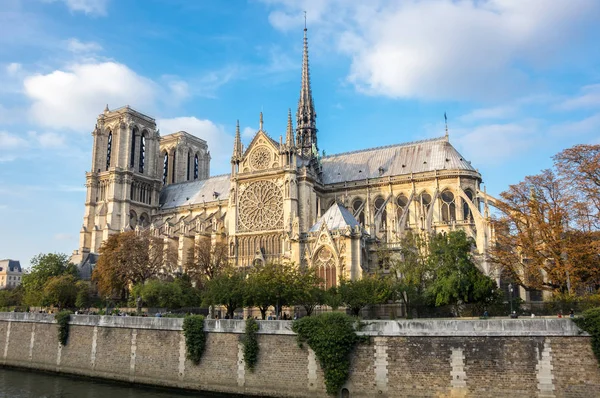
(261, 154)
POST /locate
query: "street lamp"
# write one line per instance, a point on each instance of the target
(510, 294)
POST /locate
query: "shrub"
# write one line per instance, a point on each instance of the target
(195, 338)
(333, 338)
(590, 322)
(62, 318)
(250, 344)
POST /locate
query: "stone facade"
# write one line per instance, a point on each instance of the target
(493, 358)
(283, 201)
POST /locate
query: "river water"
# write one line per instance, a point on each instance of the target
(25, 384)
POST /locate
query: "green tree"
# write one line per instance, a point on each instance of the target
(410, 271)
(227, 288)
(309, 292)
(44, 267)
(60, 291)
(271, 285)
(455, 278)
(333, 298)
(369, 290)
(83, 298)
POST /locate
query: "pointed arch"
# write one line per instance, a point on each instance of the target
(134, 134)
(142, 155)
(196, 167)
(165, 167)
(325, 263)
(448, 206)
(108, 149)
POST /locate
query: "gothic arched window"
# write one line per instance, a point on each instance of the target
(359, 212)
(196, 167)
(326, 269)
(173, 171)
(142, 151)
(134, 132)
(424, 203)
(467, 215)
(448, 207)
(189, 161)
(132, 219)
(381, 213)
(402, 202)
(165, 168)
(108, 150)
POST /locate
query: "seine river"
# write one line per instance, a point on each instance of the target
(24, 384)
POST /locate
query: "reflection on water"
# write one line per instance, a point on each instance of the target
(26, 384)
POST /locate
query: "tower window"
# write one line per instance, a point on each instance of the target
(165, 168)
(196, 167)
(108, 150)
(142, 151)
(189, 161)
(173, 171)
(132, 154)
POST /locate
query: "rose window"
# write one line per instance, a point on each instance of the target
(260, 158)
(261, 206)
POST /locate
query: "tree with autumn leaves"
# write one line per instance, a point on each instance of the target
(131, 258)
(547, 235)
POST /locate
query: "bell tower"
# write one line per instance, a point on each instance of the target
(126, 177)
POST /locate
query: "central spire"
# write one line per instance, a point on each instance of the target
(306, 138)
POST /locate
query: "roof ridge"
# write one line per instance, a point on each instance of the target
(386, 146)
(206, 179)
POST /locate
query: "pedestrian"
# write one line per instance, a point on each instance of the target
(572, 313)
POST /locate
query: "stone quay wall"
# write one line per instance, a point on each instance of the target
(405, 358)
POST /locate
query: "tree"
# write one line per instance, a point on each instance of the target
(309, 292)
(271, 285)
(579, 166)
(455, 278)
(83, 299)
(206, 260)
(44, 267)
(368, 290)
(61, 291)
(129, 258)
(227, 288)
(410, 271)
(538, 241)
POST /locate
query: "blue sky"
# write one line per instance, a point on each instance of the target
(519, 80)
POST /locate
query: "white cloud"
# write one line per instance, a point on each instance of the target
(588, 98)
(77, 46)
(91, 7)
(73, 98)
(469, 49)
(10, 141)
(589, 124)
(63, 236)
(491, 144)
(13, 68)
(220, 143)
(48, 140)
(496, 112)
(248, 133)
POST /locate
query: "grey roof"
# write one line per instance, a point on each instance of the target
(194, 192)
(336, 217)
(10, 265)
(412, 157)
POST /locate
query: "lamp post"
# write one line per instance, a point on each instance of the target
(510, 294)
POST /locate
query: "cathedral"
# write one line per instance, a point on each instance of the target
(282, 201)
